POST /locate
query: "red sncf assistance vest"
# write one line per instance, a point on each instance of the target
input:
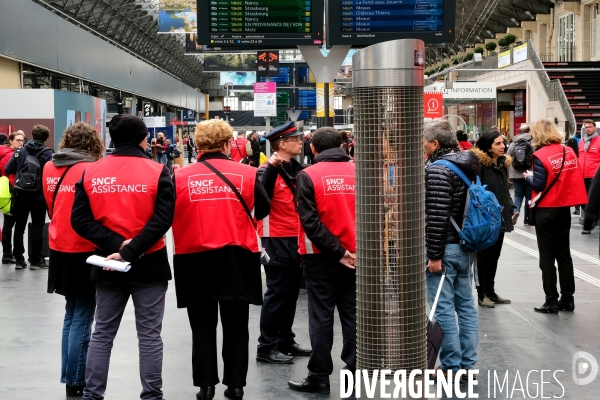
(208, 214)
(282, 221)
(238, 149)
(334, 184)
(569, 189)
(122, 192)
(61, 235)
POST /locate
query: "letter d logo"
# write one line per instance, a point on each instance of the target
(584, 363)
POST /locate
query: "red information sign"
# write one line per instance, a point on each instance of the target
(434, 105)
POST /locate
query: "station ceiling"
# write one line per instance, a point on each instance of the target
(132, 24)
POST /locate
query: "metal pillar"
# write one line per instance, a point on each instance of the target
(388, 84)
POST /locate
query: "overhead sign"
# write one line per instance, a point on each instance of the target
(260, 23)
(265, 99)
(470, 90)
(155, 122)
(366, 22)
(520, 53)
(147, 110)
(504, 59)
(433, 104)
(267, 63)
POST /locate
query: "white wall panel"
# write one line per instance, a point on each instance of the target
(26, 104)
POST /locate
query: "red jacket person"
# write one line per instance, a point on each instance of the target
(279, 234)
(325, 195)
(124, 205)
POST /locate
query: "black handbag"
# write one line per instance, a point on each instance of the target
(532, 210)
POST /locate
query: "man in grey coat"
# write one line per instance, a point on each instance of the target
(522, 190)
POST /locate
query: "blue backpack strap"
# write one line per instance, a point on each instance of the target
(454, 168)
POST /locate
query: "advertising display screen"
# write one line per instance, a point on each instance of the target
(304, 75)
(285, 98)
(306, 99)
(259, 23)
(284, 78)
(366, 22)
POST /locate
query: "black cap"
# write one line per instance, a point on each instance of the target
(127, 129)
(283, 131)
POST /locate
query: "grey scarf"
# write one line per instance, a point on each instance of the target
(66, 157)
(588, 140)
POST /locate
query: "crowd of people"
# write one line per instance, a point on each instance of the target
(277, 214)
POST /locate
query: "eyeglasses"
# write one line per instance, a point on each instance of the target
(296, 139)
(18, 140)
(590, 126)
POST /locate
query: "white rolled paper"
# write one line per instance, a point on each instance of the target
(120, 266)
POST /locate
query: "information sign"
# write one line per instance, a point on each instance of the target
(265, 101)
(260, 23)
(365, 22)
(306, 99)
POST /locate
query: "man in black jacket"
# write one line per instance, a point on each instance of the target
(124, 204)
(30, 202)
(445, 196)
(325, 194)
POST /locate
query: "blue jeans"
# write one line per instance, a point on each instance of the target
(77, 329)
(459, 349)
(522, 190)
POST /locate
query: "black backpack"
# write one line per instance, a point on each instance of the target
(29, 175)
(175, 153)
(523, 152)
(572, 143)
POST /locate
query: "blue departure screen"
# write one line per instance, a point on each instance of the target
(307, 99)
(389, 16)
(284, 77)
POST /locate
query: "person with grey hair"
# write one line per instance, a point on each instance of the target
(445, 197)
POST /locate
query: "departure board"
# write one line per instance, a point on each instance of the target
(260, 23)
(284, 78)
(306, 99)
(284, 98)
(365, 22)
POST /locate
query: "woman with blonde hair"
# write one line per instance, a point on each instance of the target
(557, 184)
(69, 274)
(218, 268)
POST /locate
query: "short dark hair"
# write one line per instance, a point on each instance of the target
(460, 135)
(589, 121)
(326, 138)
(40, 132)
(3, 139)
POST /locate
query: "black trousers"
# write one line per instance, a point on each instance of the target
(487, 265)
(588, 223)
(552, 228)
(37, 208)
(323, 297)
(234, 319)
(7, 234)
(279, 307)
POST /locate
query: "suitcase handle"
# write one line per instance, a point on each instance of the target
(437, 295)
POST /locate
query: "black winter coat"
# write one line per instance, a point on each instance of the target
(495, 176)
(445, 195)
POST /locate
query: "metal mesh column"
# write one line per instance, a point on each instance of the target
(390, 202)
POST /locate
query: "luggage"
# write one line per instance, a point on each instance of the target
(45, 242)
(435, 335)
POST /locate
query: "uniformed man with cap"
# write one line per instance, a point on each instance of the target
(124, 205)
(279, 234)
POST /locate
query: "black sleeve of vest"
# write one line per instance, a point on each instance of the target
(316, 232)
(262, 204)
(592, 209)
(87, 227)
(539, 178)
(268, 176)
(159, 224)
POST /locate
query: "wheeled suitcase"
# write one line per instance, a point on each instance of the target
(45, 242)
(435, 335)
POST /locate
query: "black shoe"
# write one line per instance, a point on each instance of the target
(75, 391)
(296, 350)
(307, 386)
(576, 212)
(20, 264)
(206, 393)
(8, 259)
(274, 357)
(234, 393)
(566, 305)
(34, 265)
(547, 309)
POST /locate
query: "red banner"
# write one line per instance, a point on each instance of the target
(434, 105)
